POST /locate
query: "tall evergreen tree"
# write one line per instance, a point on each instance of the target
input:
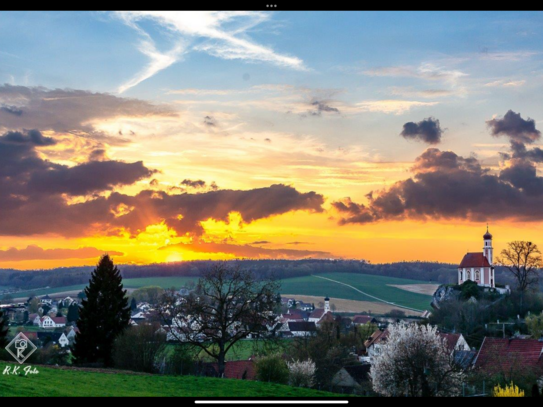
(103, 316)
(73, 313)
(3, 330)
(133, 304)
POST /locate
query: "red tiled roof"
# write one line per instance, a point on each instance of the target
(503, 355)
(377, 337)
(59, 320)
(31, 335)
(362, 319)
(238, 369)
(328, 317)
(296, 314)
(318, 313)
(452, 340)
(474, 260)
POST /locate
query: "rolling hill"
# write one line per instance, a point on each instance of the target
(73, 382)
(371, 288)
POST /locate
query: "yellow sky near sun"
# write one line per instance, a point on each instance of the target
(382, 242)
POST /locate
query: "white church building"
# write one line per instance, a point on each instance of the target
(479, 267)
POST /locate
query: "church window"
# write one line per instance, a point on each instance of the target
(477, 275)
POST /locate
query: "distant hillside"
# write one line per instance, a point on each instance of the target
(72, 382)
(435, 273)
(73, 276)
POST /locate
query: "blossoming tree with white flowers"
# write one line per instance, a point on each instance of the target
(415, 361)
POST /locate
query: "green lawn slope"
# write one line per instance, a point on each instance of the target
(57, 382)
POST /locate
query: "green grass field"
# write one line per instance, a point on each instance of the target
(76, 383)
(377, 286)
(164, 282)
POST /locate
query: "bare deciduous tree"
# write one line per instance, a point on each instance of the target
(523, 260)
(228, 304)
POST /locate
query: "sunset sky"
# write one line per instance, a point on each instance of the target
(170, 136)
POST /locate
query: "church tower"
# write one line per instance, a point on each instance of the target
(488, 250)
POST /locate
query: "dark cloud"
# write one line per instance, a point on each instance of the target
(83, 179)
(321, 106)
(37, 253)
(199, 185)
(261, 242)
(522, 174)
(35, 197)
(193, 183)
(298, 243)
(520, 151)
(248, 251)
(210, 121)
(183, 212)
(515, 127)
(427, 130)
(354, 213)
(11, 110)
(28, 137)
(434, 159)
(445, 185)
(98, 155)
(67, 110)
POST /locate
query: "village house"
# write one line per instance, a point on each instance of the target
(71, 333)
(46, 300)
(374, 344)
(455, 342)
(295, 315)
(363, 320)
(48, 322)
(35, 319)
(303, 328)
(353, 379)
(506, 356)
